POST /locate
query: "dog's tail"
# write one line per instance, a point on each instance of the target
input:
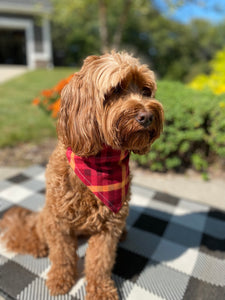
(19, 233)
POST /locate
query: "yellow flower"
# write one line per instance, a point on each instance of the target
(222, 104)
(214, 81)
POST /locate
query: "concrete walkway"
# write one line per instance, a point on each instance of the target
(8, 72)
(7, 172)
(191, 187)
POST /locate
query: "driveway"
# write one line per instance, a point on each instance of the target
(8, 72)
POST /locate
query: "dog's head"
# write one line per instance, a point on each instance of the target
(110, 101)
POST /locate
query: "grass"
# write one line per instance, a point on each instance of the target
(20, 121)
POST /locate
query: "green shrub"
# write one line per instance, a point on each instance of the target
(194, 130)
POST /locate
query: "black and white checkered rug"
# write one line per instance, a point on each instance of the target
(175, 248)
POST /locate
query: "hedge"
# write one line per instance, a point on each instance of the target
(194, 130)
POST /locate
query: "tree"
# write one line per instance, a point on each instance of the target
(122, 18)
(173, 50)
(110, 17)
(104, 13)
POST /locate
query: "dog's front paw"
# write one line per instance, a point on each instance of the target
(104, 290)
(60, 281)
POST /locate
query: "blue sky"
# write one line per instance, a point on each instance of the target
(189, 11)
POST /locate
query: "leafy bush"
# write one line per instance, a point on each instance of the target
(194, 130)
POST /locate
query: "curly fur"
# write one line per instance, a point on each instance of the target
(99, 106)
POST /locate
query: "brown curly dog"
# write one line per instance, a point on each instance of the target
(107, 110)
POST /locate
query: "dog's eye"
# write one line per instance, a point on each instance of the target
(146, 92)
(117, 90)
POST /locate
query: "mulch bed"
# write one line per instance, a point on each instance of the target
(27, 154)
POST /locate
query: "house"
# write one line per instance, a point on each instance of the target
(25, 37)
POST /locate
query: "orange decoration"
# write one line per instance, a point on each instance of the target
(49, 99)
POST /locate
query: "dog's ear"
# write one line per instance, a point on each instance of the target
(77, 124)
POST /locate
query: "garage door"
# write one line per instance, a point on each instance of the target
(12, 47)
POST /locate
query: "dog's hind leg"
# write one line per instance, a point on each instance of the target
(19, 232)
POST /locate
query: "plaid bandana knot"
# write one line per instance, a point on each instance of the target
(106, 175)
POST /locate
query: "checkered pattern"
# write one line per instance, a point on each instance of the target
(175, 249)
(105, 174)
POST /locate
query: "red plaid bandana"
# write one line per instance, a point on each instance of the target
(106, 175)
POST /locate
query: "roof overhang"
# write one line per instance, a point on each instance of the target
(22, 8)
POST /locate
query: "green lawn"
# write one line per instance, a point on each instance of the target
(20, 121)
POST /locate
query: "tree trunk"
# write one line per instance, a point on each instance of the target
(103, 30)
(122, 21)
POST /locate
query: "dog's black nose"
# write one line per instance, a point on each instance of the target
(144, 118)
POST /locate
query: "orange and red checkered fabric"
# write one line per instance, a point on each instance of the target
(106, 175)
